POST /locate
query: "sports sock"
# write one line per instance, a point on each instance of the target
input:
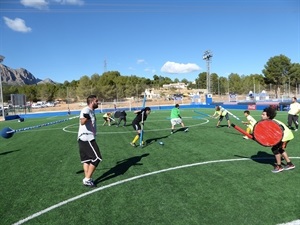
(136, 138)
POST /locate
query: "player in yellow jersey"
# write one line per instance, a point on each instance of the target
(279, 149)
(221, 113)
(249, 123)
(107, 117)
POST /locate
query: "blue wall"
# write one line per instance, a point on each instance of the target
(240, 106)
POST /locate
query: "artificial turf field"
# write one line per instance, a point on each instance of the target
(208, 175)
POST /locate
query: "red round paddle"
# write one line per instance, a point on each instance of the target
(266, 132)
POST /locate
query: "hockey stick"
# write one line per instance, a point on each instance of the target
(234, 116)
(203, 114)
(142, 123)
(265, 132)
(8, 132)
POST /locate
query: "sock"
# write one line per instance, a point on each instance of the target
(136, 138)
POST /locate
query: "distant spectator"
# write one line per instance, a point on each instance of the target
(293, 114)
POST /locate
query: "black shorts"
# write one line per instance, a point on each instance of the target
(136, 126)
(89, 152)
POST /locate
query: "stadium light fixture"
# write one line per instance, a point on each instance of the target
(1, 91)
(207, 56)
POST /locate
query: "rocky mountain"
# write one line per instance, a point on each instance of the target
(47, 80)
(20, 77)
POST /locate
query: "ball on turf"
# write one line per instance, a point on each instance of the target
(161, 143)
(7, 132)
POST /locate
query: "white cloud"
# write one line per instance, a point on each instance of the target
(70, 2)
(44, 4)
(17, 25)
(150, 70)
(140, 61)
(38, 4)
(172, 67)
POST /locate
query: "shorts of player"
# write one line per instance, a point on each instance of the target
(279, 148)
(136, 126)
(89, 152)
(250, 128)
(176, 121)
(107, 118)
(226, 116)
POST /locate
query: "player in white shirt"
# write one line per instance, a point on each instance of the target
(90, 155)
(293, 114)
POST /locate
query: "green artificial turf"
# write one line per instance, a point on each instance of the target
(208, 175)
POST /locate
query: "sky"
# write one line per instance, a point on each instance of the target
(66, 39)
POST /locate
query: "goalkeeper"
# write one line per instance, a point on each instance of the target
(176, 119)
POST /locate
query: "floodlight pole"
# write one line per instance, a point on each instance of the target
(254, 87)
(289, 86)
(207, 56)
(1, 91)
(219, 86)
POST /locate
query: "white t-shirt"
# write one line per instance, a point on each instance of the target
(251, 120)
(294, 108)
(87, 132)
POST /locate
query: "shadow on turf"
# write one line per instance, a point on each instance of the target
(127, 125)
(181, 129)
(261, 157)
(8, 152)
(153, 140)
(221, 126)
(121, 168)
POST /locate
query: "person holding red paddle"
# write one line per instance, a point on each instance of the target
(278, 150)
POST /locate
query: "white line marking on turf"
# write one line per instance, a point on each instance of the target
(131, 179)
(295, 222)
(131, 131)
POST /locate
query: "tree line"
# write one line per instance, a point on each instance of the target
(278, 74)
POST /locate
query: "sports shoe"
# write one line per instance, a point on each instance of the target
(132, 144)
(289, 167)
(277, 169)
(88, 183)
(296, 129)
(186, 130)
(245, 137)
